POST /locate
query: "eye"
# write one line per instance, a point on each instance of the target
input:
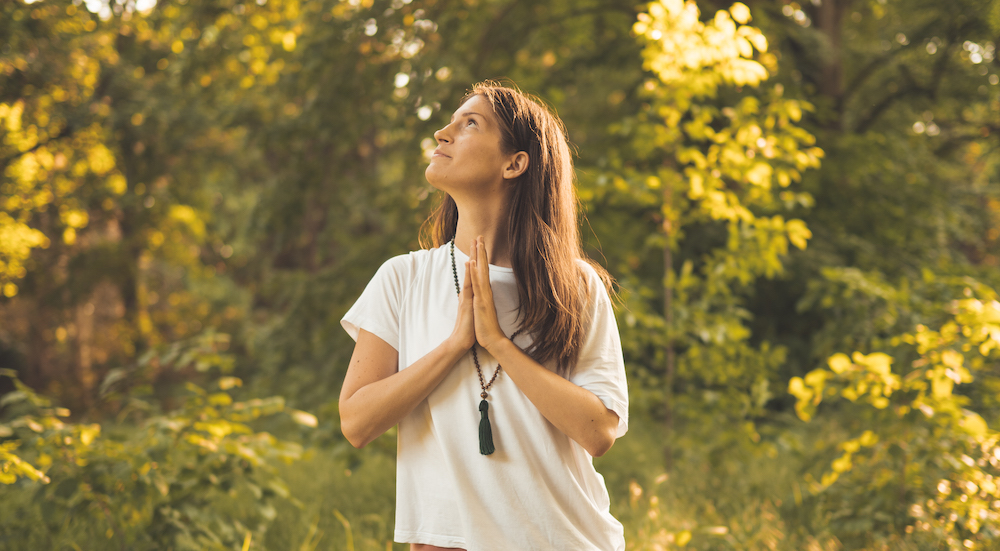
(472, 122)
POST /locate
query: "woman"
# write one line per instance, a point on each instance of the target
(506, 387)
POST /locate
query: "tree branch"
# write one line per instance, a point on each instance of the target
(940, 66)
(487, 45)
(868, 70)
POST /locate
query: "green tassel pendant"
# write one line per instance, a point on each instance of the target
(485, 430)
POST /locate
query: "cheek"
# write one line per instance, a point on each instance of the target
(492, 155)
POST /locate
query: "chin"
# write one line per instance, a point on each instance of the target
(432, 178)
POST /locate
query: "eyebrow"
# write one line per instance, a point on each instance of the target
(467, 113)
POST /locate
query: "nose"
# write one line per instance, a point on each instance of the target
(442, 135)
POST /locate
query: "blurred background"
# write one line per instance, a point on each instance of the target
(800, 203)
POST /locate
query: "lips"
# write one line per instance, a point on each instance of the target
(438, 153)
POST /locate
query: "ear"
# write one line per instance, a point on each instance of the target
(516, 165)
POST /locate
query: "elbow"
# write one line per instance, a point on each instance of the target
(601, 443)
(355, 440)
(354, 434)
(597, 449)
(603, 436)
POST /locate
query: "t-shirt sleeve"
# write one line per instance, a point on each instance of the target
(601, 368)
(377, 309)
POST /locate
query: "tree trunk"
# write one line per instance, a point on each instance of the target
(829, 15)
(668, 320)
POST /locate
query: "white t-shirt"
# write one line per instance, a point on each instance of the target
(539, 489)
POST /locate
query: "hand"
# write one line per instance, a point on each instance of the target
(487, 326)
(464, 334)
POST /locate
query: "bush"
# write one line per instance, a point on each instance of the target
(162, 484)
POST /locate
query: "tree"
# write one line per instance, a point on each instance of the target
(710, 163)
(903, 237)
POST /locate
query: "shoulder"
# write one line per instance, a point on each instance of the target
(593, 281)
(586, 268)
(406, 270)
(409, 263)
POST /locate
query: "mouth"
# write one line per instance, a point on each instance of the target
(437, 153)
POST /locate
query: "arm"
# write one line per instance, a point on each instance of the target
(575, 411)
(376, 395)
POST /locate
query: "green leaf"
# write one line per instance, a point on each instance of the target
(974, 424)
(12, 398)
(839, 363)
(226, 383)
(113, 376)
(220, 399)
(304, 418)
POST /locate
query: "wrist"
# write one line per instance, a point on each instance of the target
(499, 346)
(454, 345)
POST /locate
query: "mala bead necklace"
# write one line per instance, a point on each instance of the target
(486, 446)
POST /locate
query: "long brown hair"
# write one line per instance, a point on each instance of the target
(542, 233)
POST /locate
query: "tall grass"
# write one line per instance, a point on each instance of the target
(739, 496)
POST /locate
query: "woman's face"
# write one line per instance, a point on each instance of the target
(468, 155)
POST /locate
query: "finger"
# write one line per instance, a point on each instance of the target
(467, 286)
(483, 263)
(473, 275)
(483, 256)
(481, 283)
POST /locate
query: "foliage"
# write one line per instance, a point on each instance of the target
(924, 448)
(665, 525)
(158, 483)
(41, 169)
(710, 165)
(901, 241)
(171, 173)
(117, 225)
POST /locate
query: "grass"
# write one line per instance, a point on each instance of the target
(733, 496)
(345, 504)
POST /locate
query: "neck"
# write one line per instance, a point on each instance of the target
(488, 219)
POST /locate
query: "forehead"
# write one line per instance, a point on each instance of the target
(476, 104)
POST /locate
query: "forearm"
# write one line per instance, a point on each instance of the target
(375, 408)
(574, 410)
